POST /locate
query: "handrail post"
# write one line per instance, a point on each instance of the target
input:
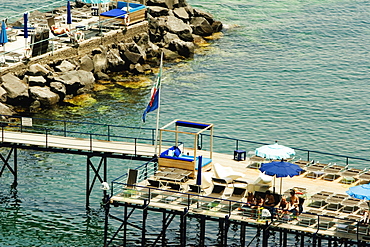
(153, 133)
(308, 155)
(65, 128)
(135, 146)
(21, 125)
(90, 142)
(46, 137)
(237, 145)
(347, 161)
(2, 133)
(108, 132)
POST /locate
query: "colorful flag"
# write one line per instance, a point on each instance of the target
(154, 100)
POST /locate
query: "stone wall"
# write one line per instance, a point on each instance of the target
(84, 48)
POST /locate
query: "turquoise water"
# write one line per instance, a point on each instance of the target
(293, 71)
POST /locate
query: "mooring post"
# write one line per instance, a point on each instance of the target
(202, 230)
(106, 209)
(265, 235)
(226, 229)
(143, 230)
(242, 234)
(285, 237)
(302, 239)
(87, 184)
(329, 242)
(183, 228)
(221, 230)
(164, 228)
(15, 182)
(125, 225)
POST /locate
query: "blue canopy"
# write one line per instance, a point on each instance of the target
(69, 14)
(281, 169)
(3, 34)
(199, 175)
(25, 27)
(360, 192)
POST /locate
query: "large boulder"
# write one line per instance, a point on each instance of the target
(156, 11)
(65, 66)
(16, 89)
(86, 63)
(169, 37)
(177, 26)
(77, 82)
(44, 95)
(134, 54)
(182, 14)
(36, 81)
(183, 48)
(205, 15)
(100, 62)
(6, 110)
(38, 70)
(169, 55)
(217, 26)
(115, 62)
(3, 96)
(201, 26)
(58, 88)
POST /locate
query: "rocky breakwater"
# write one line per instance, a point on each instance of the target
(174, 28)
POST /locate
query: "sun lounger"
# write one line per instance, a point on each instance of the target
(350, 175)
(315, 170)
(255, 162)
(350, 205)
(306, 219)
(332, 172)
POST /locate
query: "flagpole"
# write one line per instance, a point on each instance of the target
(159, 106)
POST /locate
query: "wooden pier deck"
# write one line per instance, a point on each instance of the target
(314, 219)
(73, 143)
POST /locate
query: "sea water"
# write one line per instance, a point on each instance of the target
(293, 71)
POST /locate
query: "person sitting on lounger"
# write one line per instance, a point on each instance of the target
(294, 202)
(250, 199)
(59, 30)
(269, 200)
(282, 207)
(258, 202)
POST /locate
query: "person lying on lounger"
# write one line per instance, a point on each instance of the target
(59, 30)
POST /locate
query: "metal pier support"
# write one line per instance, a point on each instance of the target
(242, 234)
(96, 172)
(202, 234)
(6, 164)
(183, 228)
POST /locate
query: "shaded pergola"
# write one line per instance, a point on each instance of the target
(202, 127)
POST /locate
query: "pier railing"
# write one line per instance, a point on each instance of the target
(136, 135)
(76, 129)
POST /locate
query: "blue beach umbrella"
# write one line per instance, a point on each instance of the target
(199, 175)
(3, 36)
(281, 169)
(69, 14)
(360, 192)
(274, 151)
